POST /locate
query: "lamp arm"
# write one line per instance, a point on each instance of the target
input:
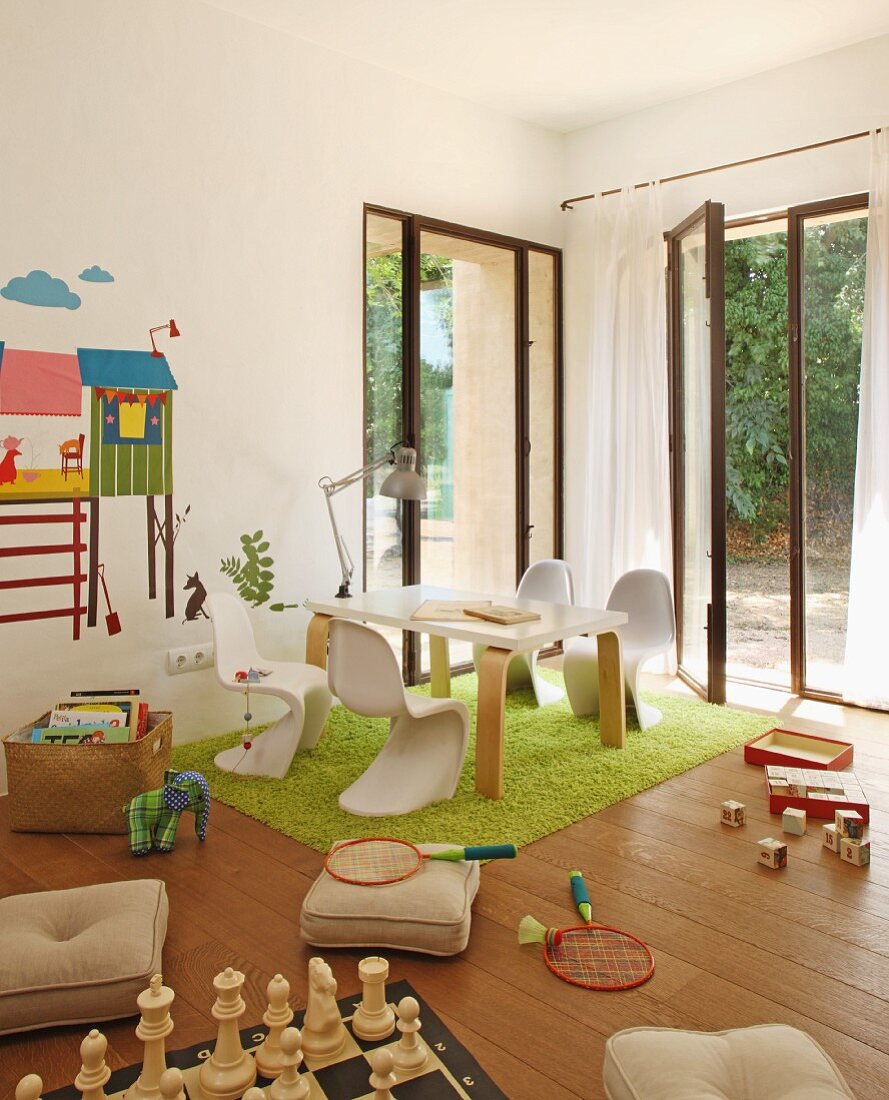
(346, 564)
(331, 487)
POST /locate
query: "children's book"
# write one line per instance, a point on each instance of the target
(81, 735)
(123, 710)
(505, 616)
(82, 716)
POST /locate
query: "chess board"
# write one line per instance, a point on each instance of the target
(450, 1070)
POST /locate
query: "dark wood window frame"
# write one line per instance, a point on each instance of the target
(412, 225)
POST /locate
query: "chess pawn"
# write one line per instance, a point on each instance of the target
(254, 1093)
(229, 1071)
(29, 1088)
(171, 1084)
(94, 1073)
(277, 1017)
(290, 1085)
(410, 1053)
(153, 1028)
(373, 1019)
(382, 1079)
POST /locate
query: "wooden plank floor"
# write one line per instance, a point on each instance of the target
(735, 943)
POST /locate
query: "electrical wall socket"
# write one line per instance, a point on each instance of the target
(190, 658)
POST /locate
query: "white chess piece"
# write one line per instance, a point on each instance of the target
(324, 1033)
(382, 1079)
(374, 1019)
(277, 1017)
(291, 1085)
(410, 1053)
(171, 1086)
(29, 1088)
(253, 1093)
(94, 1073)
(230, 1070)
(153, 1028)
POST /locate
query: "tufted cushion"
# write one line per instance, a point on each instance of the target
(428, 912)
(766, 1062)
(79, 956)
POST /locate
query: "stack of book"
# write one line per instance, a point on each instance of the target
(95, 718)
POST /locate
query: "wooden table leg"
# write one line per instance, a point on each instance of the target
(492, 671)
(612, 696)
(440, 668)
(316, 640)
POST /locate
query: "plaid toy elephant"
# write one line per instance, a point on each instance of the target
(153, 816)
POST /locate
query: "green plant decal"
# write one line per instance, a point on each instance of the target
(252, 576)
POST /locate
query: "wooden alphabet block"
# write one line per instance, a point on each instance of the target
(850, 824)
(855, 851)
(734, 813)
(794, 821)
(772, 853)
(830, 838)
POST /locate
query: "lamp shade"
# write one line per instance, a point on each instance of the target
(173, 330)
(404, 483)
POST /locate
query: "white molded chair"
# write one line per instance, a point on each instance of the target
(644, 594)
(423, 757)
(548, 580)
(302, 687)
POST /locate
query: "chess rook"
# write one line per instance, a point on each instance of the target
(373, 1019)
(155, 1024)
(277, 1017)
(230, 1070)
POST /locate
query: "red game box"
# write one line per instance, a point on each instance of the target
(798, 750)
(819, 793)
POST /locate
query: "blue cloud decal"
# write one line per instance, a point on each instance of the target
(96, 274)
(40, 289)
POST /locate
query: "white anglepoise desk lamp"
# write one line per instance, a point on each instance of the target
(404, 483)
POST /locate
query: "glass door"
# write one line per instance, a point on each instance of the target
(697, 353)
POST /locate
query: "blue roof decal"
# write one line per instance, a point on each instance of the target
(138, 370)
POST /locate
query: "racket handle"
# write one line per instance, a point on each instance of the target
(581, 896)
(491, 851)
(482, 851)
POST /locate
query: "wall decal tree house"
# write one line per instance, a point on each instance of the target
(131, 452)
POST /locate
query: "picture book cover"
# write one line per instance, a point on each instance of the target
(81, 735)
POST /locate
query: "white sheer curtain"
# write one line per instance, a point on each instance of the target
(867, 637)
(626, 486)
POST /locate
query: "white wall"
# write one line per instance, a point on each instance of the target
(839, 93)
(218, 170)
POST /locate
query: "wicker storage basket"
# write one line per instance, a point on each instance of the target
(82, 788)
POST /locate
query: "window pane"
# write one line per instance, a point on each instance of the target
(467, 417)
(694, 337)
(542, 404)
(384, 283)
(834, 251)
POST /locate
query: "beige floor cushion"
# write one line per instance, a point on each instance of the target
(766, 1062)
(429, 912)
(79, 956)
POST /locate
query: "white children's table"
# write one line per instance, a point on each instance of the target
(394, 607)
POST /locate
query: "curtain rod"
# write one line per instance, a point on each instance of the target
(566, 205)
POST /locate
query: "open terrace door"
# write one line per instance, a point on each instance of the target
(697, 365)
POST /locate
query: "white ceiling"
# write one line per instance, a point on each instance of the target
(565, 64)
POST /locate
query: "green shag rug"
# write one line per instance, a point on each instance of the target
(555, 772)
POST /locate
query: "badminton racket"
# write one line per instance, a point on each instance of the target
(594, 956)
(379, 861)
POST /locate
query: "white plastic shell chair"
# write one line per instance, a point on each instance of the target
(644, 594)
(422, 759)
(302, 687)
(549, 580)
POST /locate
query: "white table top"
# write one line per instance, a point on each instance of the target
(394, 607)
